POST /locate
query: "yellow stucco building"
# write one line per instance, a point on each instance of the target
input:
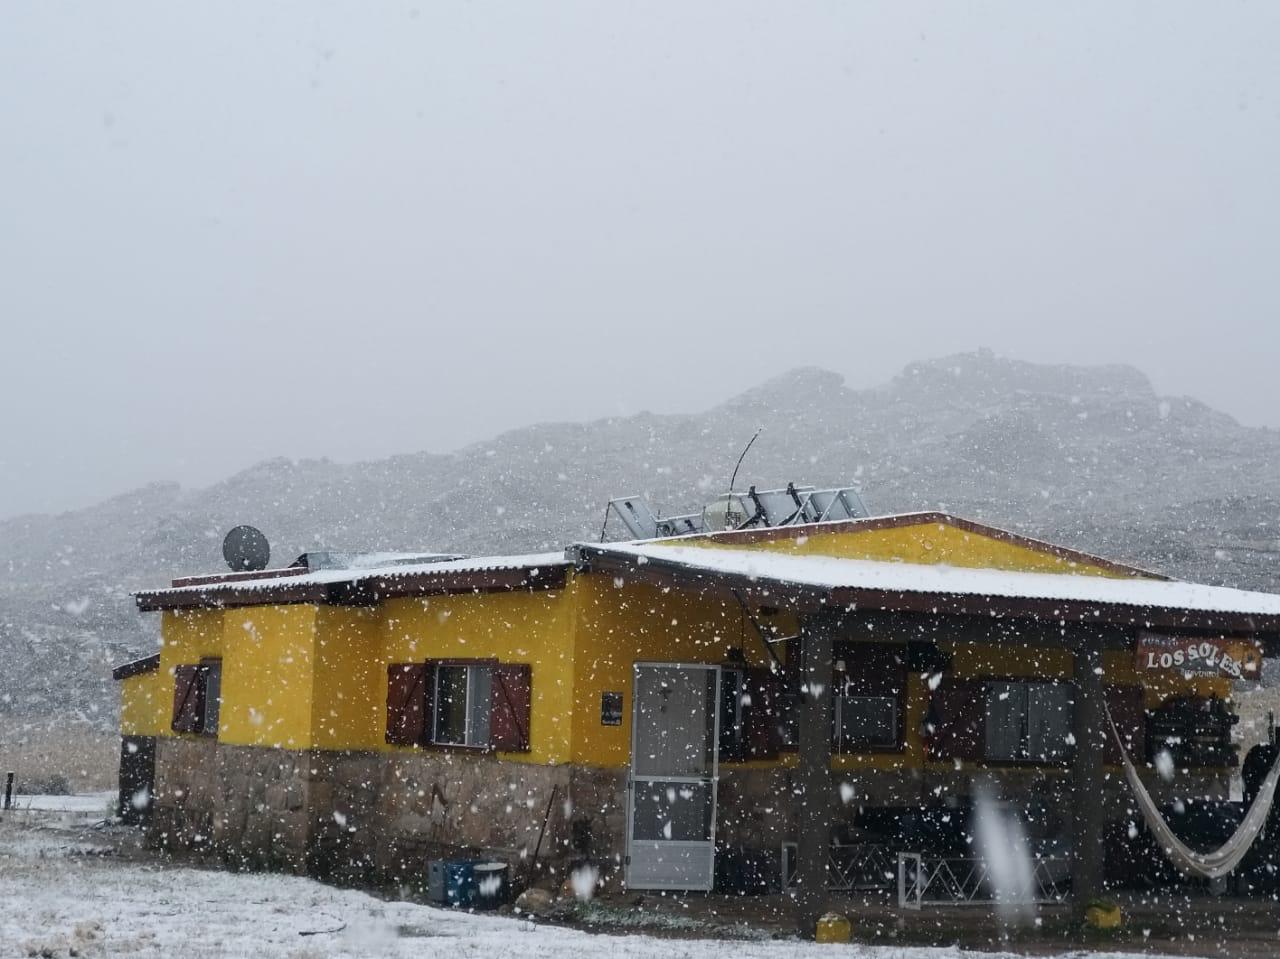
(647, 705)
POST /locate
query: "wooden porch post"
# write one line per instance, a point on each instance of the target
(1088, 783)
(813, 790)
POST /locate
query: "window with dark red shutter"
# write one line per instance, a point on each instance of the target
(188, 700)
(459, 704)
(763, 722)
(1130, 716)
(870, 701)
(1029, 721)
(211, 696)
(733, 712)
(958, 709)
(408, 686)
(511, 697)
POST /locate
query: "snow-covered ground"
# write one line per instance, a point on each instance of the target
(99, 803)
(65, 893)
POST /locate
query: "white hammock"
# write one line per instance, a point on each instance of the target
(1210, 865)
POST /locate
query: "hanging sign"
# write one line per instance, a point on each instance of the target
(1217, 655)
(611, 709)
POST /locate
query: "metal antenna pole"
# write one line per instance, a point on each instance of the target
(742, 457)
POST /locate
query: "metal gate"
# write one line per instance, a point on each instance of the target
(671, 792)
(966, 881)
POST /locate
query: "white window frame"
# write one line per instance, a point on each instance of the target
(479, 681)
(734, 730)
(211, 721)
(1027, 751)
(894, 725)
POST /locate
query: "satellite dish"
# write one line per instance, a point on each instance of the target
(246, 549)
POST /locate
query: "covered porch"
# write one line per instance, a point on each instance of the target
(1073, 631)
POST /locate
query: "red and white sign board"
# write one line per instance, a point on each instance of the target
(1219, 655)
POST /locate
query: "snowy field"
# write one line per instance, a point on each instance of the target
(90, 803)
(65, 893)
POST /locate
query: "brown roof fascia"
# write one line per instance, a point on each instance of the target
(146, 664)
(669, 573)
(211, 578)
(1115, 614)
(216, 597)
(806, 598)
(362, 592)
(773, 533)
(368, 592)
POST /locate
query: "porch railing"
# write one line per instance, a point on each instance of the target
(964, 881)
(853, 866)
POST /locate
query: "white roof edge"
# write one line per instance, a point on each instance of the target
(826, 572)
(327, 576)
(847, 521)
(923, 515)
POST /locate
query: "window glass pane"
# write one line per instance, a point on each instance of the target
(868, 721)
(675, 811)
(673, 722)
(1028, 721)
(480, 685)
(786, 719)
(1006, 706)
(730, 713)
(1048, 721)
(451, 705)
(212, 697)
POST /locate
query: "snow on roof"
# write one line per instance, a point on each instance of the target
(136, 667)
(826, 572)
(389, 572)
(896, 520)
(348, 559)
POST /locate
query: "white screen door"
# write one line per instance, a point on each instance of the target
(671, 799)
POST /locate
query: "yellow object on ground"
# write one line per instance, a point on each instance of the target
(833, 927)
(1103, 915)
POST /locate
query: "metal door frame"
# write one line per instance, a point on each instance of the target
(713, 779)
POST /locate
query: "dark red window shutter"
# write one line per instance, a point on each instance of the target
(407, 709)
(762, 718)
(188, 700)
(428, 702)
(874, 669)
(512, 694)
(959, 709)
(1130, 716)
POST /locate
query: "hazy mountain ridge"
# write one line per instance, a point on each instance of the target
(1090, 457)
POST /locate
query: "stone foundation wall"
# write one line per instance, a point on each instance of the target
(376, 817)
(342, 812)
(247, 805)
(373, 817)
(598, 817)
(427, 803)
(755, 808)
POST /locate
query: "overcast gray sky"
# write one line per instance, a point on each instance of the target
(233, 231)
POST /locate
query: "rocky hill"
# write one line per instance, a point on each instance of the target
(1089, 457)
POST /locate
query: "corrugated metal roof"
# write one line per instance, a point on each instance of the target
(268, 586)
(755, 534)
(830, 573)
